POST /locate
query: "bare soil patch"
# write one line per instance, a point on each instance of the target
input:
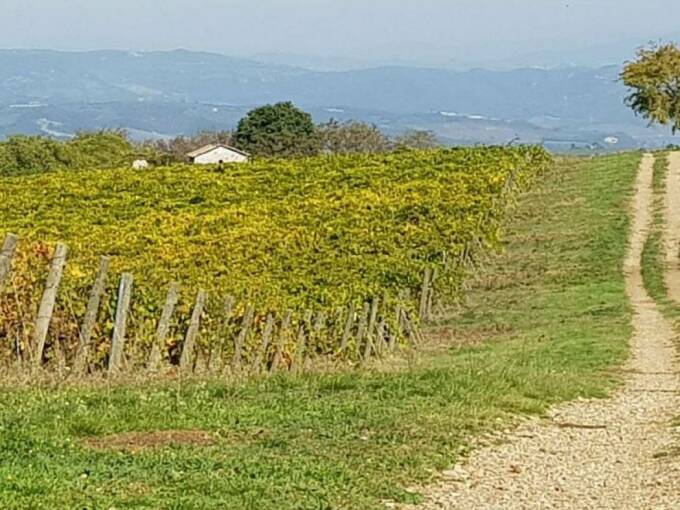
(133, 442)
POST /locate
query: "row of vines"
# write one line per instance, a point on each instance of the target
(314, 240)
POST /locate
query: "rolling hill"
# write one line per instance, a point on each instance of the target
(179, 92)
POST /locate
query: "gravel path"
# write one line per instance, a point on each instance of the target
(672, 233)
(593, 454)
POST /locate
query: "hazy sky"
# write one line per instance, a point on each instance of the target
(426, 30)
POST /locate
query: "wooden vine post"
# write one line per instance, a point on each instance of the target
(399, 325)
(299, 357)
(120, 323)
(382, 338)
(7, 251)
(163, 328)
(240, 340)
(90, 319)
(266, 338)
(430, 294)
(425, 295)
(411, 330)
(363, 324)
(370, 333)
(49, 299)
(187, 358)
(347, 332)
(381, 335)
(280, 344)
(215, 364)
(319, 326)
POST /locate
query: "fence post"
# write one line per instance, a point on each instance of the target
(83, 354)
(120, 324)
(243, 334)
(430, 294)
(320, 322)
(371, 327)
(348, 328)
(215, 363)
(299, 357)
(424, 295)
(399, 324)
(382, 337)
(49, 299)
(9, 246)
(187, 358)
(285, 326)
(411, 330)
(318, 329)
(338, 324)
(266, 337)
(361, 329)
(155, 356)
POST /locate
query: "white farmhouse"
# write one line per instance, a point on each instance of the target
(219, 153)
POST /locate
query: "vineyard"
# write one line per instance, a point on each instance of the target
(313, 243)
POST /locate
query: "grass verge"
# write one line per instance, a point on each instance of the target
(554, 318)
(653, 262)
(653, 251)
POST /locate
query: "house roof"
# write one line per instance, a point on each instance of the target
(211, 147)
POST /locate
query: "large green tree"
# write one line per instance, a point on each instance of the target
(277, 130)
(654, 80)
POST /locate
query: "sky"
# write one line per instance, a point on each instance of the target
(428, 32)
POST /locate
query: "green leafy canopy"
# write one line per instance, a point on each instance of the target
(277, 130)
(654, 80)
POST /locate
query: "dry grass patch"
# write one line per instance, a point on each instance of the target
(134, 442)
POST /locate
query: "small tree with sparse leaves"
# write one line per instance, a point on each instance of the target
(654, 80)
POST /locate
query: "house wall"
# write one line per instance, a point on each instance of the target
(220, 154)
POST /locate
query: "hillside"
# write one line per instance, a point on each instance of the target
(313, 234)
(159, 94)
(359, 439)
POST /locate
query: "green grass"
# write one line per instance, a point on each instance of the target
(652, 254)
(544, 323)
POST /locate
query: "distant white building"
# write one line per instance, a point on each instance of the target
(217, 153)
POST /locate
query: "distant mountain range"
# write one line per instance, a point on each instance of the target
(160, 94)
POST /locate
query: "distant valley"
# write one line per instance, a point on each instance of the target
(164, 94)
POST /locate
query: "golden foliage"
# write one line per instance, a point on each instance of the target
(314, 233)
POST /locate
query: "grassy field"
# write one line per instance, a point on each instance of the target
(544, 323)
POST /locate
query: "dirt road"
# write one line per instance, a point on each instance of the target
(596, 454)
